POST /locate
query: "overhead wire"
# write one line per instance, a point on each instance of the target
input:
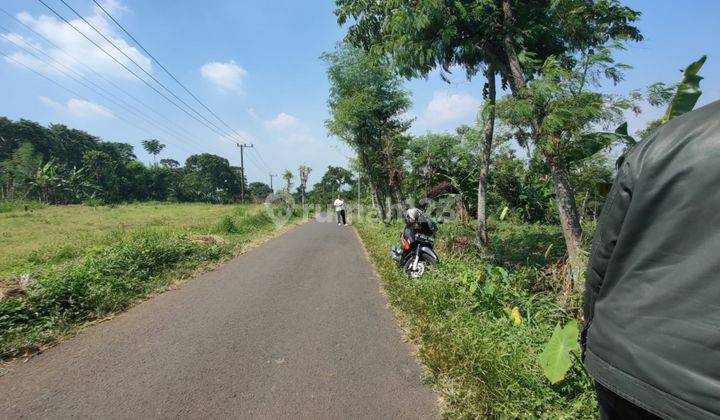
(202, 119)
(71, 91)
(158, 82)
(130, 70)
(82, 80)
(207, 108)
(172, 76)
(93, 71)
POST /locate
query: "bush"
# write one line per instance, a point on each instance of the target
(101, 283)
(226, 225)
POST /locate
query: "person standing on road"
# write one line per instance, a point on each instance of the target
(651, 339)
(340, 210)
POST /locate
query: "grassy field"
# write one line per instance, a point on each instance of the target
(50, 235)
(481, 357)
(64, 266)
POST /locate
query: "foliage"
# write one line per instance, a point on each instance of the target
(425, 35)
(58, 165)
(81, 284)
(153, 146)
(303, 174)
(259, 190)
(335, 180)
(464, 318)
(560, 352)
(208, 177)
(688, 91)
(367, 103)
(288, 176)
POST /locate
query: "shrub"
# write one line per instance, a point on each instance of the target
(463, 317)
(226, 225)
(101, 283)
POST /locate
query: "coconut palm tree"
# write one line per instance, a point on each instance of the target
(154, 147)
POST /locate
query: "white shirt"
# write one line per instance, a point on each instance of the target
(339, 205)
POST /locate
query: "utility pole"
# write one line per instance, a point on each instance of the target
(242, 170)
(271, 185)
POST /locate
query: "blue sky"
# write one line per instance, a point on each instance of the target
(257, 65)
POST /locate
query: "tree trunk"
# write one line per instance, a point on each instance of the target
(517, 77)
(378, 201)
(569, 221)
(488, 134)
(583, 206)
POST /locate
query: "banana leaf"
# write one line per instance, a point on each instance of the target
(688, 91)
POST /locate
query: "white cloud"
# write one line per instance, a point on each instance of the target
(52, 104)
(446, 106)
(72, 44)
(225, 76)
(282, 121)
(83, 108)
(78, 107)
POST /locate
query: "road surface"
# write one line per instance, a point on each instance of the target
(296, 328)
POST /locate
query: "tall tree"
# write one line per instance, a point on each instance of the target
(154, 147)
(512, 37)
(169, 163)
(367, 103)
(209, 177)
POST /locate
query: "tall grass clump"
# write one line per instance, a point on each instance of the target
(99, 284)
(480, 328)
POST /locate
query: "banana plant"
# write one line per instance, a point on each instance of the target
(684, 100)
(688, 91)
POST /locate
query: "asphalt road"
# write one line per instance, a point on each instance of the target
(296, 328)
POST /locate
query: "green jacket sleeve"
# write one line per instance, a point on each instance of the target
(606, 235)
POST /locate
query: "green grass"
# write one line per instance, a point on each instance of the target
(483, 364)
(50, 235)
(85, 263)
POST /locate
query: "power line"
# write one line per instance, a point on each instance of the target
(129, 70)
(139, 66)
(262, 160)
(103, 92)
(72, 92)
(90, 69)
(168, 72)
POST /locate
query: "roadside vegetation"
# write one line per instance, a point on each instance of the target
(481, 323)
(497, 323)
(62, 267)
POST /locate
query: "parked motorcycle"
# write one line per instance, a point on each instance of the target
(417, 242)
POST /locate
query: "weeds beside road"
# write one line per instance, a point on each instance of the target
(481, 323)
(62, 267)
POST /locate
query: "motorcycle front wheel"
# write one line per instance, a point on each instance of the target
(424, 263)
